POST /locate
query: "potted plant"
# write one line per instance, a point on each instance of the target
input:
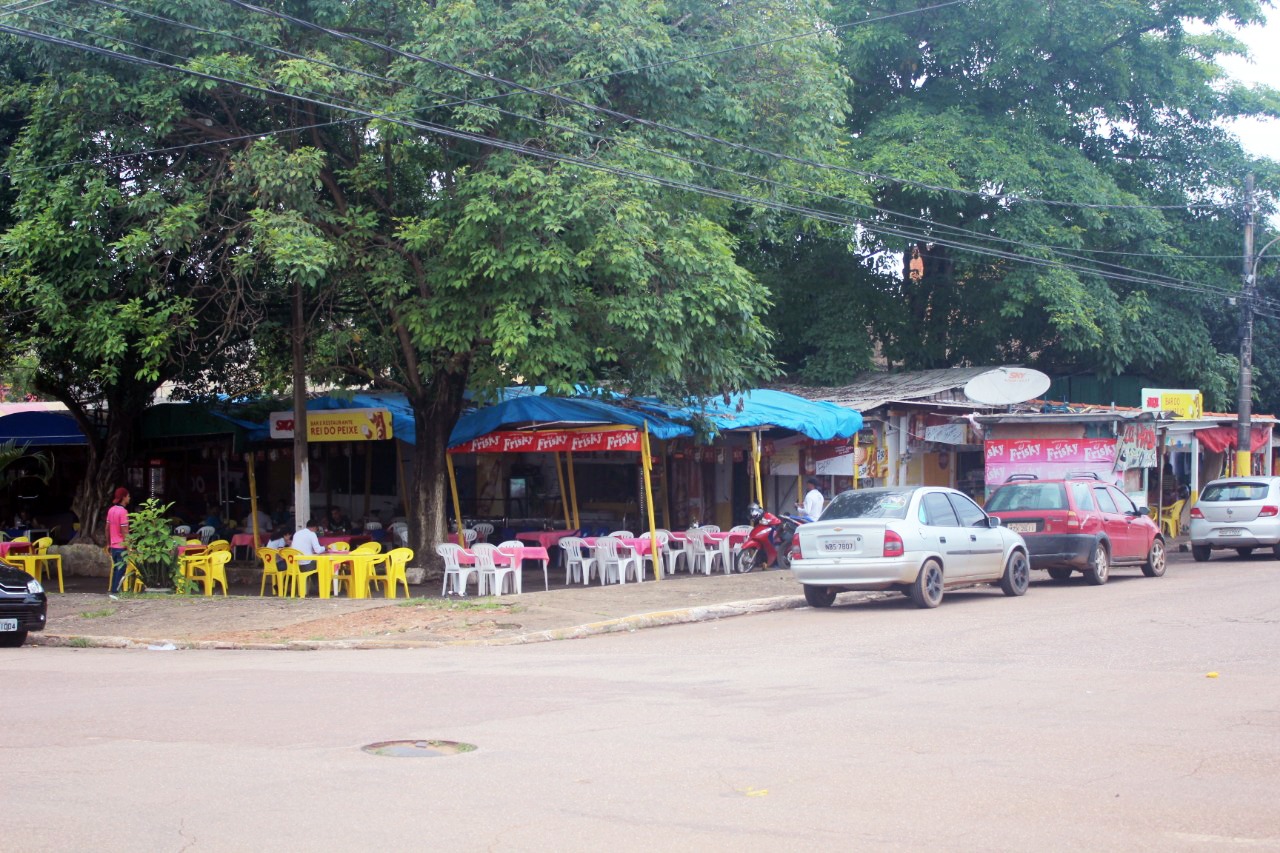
(151, 546)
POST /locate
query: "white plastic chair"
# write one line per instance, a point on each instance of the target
(697, 557)
(513, 550)
(206, 534)
(672, 553)
(483, 531)
(745, 530)
(725, 554)
(617, 561)
(454, 570)
(622, 534)
(183, 530)
(373, 525)
(710, 528)
(470, 536)
(494, 569)
(399, 533)
(577, 563)
(664, 542)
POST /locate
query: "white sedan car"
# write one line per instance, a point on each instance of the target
(919, 540)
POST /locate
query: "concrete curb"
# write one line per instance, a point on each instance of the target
(705, 613)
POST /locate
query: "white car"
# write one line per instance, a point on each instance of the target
(1241, 513)
(919, 540)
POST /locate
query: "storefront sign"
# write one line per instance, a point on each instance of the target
(553, 441)
(1136, 447)
(1049, 458)
(1183, 403)
(337, 425)
(946, 434)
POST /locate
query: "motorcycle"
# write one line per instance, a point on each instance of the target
(769, 542)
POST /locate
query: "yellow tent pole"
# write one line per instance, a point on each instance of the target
(573, 491)
(855, 460)
(457, 504)
(755, 455)
(646, 457)
(253, 501)
(564, 501)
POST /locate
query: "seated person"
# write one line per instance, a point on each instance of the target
(338, 522)
(264, 523)
(308, 542)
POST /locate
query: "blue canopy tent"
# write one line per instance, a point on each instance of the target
(41, 429)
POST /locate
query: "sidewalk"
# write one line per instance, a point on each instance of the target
(86, 617)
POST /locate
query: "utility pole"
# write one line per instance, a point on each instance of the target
(1244, 400)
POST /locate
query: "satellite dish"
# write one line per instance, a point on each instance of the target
(1005, 386)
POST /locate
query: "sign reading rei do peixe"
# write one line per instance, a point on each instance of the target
(337, 425)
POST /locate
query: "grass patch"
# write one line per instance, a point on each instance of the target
(78, 642)
(463, 604)
(98, 614)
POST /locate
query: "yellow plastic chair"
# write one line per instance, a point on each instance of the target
(368, 548)
(212, 570)
(296, 582)
(219, 545)
(338, 546)
(40, 558)
(1171, 519)
(132, 580)
(394, 563)
(271, 569)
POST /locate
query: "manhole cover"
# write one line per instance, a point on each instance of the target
(418, 748)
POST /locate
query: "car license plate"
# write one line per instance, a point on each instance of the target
(1022, 526)
(839, 546)
(1231, 531)
(8, 624)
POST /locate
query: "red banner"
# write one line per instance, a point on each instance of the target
(553, 441)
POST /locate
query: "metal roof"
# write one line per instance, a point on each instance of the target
(876, 388)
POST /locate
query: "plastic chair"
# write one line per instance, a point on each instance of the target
(469, 536)
(710, 528)
(483, 531)
(132, 580)
(697, 556)
(513, 550)
(183, 530)
(617, 561)
(493, 577)
(622, 534)
(1171, 519)
(394, 562)
(206, 534)
(577, 564)
(40, 557)
(368, 548)
(454, 570)
(664, 542)
(212, 570)
(219, 545)
(271, 569)
(672, 552)
(296, 582)
(399, 533)
(725, 553)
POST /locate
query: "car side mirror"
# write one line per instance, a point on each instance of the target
(993, 521)
(1142, 510)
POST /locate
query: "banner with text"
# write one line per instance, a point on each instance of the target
(553, 441)
(337, 425)
(1050, 458)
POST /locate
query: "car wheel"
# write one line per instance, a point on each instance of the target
(1060, 574)
(12, 639)
(1154, 566)
(1017, 574)
(1245, 552)
(749, 558)
(927, 589)
(1200, 553)
(819, 596)
(1099, 567)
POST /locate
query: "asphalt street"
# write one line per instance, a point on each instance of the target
(1074, 718)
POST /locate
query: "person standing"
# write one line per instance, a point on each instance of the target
(813, 500)
(117, 531)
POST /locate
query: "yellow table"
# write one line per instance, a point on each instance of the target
(327, 563)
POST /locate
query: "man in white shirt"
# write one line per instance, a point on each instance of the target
(813, 500)
(306, 541)
(264, 523)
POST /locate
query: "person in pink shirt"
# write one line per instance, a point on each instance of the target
(117, 530)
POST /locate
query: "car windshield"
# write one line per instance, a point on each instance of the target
(1016, 496)
(869, 503)
(1234, 492)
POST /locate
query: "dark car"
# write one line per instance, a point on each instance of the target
(22, 605)
(1082, 525)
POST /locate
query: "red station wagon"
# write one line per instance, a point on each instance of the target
(1081, 525)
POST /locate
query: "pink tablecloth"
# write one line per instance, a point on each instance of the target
(245, 540)
(545, 538)
(734, 538)
(640, 546)
(350, 539)
(20, 547)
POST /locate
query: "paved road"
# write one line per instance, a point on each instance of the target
(1074, 718)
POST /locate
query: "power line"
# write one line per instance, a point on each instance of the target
(542, 153)
(1068, 252)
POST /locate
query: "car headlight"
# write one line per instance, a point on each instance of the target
(34, 587)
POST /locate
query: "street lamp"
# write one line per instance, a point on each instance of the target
(1244, 401)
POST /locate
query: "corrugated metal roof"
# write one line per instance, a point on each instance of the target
(875, 388)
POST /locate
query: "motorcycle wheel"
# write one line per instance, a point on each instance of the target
(748, 559)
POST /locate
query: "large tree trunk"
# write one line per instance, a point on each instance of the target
(430, 500)
(104, 471)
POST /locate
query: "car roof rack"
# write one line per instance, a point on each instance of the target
(1015, 477)
(1083, 475)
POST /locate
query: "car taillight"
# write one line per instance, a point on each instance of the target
(1057, 522)
(1268, 511)
(796, 553)
(1196, 513)
(892, 545)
